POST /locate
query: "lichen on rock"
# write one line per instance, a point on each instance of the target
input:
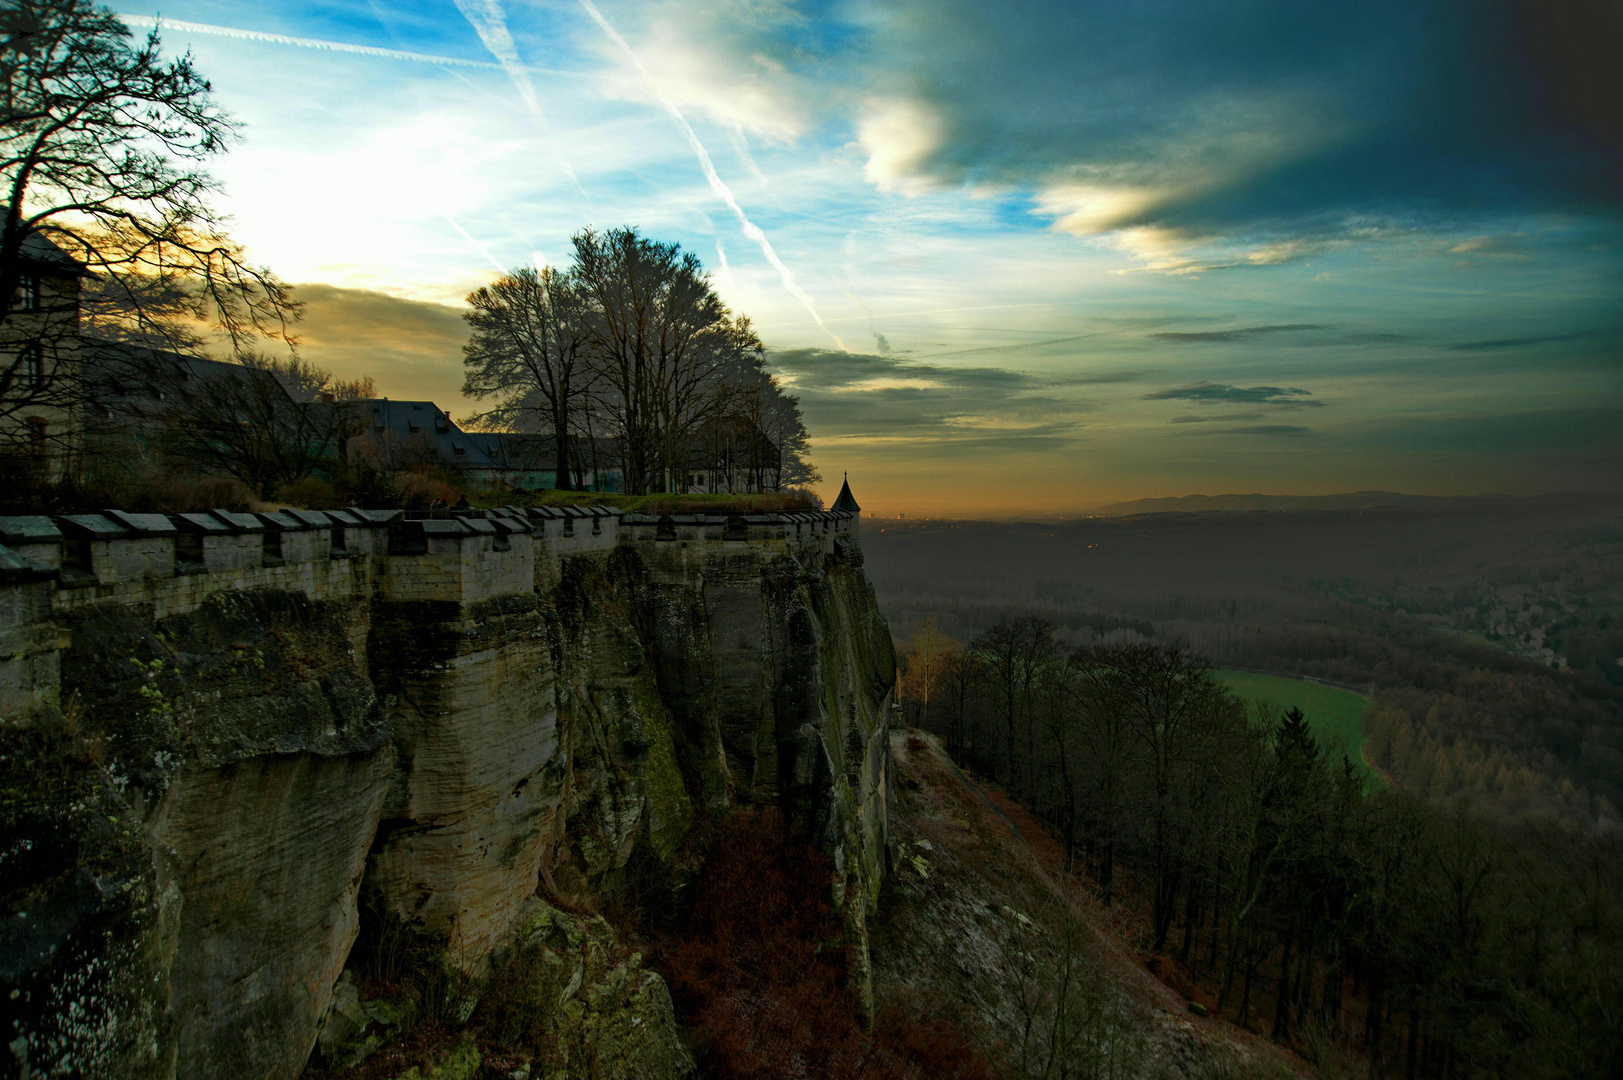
(258, 777)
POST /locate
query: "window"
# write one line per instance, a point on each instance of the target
(77, 557)
(37, 430)
(28, 292)
(189, 554)
(33, 366)
(271, 546)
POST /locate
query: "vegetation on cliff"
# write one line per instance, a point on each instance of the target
(1431, 938)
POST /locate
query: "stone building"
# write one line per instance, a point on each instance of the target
(530, 462)
(40, 373)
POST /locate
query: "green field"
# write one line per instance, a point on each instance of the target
(1336, 716)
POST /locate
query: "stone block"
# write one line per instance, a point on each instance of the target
(34, 537)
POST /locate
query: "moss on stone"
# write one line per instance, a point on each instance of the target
(572, 597)
(462, 1063)
(669, 811)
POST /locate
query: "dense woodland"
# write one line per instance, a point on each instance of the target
(1435, 936)
(1400, 607)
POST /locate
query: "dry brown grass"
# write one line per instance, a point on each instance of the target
(759, 974)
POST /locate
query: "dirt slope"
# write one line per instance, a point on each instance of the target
(977, 885)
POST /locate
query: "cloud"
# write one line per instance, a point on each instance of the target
(1264, 133)
(1267, 430)
(1501, 344)
(1521, 432)
(820, 369)
(1094, 379)
(1230, 418)
(1241, 334)
(748, 65)
(884, 399)
(1289, 397)
(899, 138)
(412, 348)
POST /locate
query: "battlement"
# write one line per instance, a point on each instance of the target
(169, 564)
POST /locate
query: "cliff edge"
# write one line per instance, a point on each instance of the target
(234, 744)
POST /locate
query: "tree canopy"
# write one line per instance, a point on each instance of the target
(631, 344)
(103, 144)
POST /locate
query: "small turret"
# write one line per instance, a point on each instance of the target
(845, 501)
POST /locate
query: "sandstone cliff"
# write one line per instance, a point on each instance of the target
(233, 742)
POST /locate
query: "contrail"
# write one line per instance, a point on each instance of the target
(741, 147)
(490, 23)
(722, 191)
(517, 72)
(880, 340)
(726, 270)
(500, 269)
(147, 22)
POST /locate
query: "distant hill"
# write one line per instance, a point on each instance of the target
(1232, 504)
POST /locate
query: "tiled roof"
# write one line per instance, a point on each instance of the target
(418, 419)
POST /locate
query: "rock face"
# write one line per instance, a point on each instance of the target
(211, 779)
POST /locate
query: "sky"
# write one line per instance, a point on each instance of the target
(1015, 258)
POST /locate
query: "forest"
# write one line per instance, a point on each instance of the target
(1461, 918)
(1427, 936)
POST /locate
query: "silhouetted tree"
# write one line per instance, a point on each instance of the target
(530, 332)
(102, 145)
(264, 420)
(660, 341)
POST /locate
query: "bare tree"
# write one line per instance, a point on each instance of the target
(1014, 651)
(661, 342)
(927, 649)
(529, 335)
(1071, 1022)
(786, 428)
(1112, 753)
(961, 675)
(1170, 703)
(102, 145)
(264, 420)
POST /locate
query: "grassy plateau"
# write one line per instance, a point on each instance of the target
(1336, 715)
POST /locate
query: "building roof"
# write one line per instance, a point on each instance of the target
(40, 250)
(130, 380)
(421, 423)
(845, 501)
(539, 453)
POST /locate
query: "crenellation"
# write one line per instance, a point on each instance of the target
(424, 715)
(174, 561)
(30, 644)
(35, 537)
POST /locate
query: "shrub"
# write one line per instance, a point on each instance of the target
(150, 491)
(310, 493)
(415, 492)
(760, 973)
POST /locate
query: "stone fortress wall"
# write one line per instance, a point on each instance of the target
(272, 726)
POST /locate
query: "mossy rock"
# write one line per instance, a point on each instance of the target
(670, 810)
(461, 1063)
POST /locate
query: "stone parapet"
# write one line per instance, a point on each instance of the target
(173, 562)
(294, 723)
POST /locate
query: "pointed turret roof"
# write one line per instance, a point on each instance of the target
(845, 501)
